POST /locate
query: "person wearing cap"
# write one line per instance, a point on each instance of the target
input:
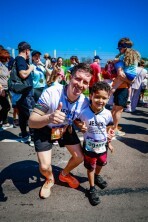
(95, 66)
(53, 64)
(47, 58)
(26, 103)
(39, 74)
(127, 62)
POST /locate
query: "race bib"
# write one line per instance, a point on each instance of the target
(57, 132)
(95, 146)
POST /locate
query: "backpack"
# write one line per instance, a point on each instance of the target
(109, 71)
(17, 84)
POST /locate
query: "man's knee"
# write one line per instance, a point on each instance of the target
(45, 167)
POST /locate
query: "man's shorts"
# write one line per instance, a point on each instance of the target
(43, 142)
(120, 97)
(92, 159)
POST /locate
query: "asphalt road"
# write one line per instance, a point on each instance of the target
(124, 200)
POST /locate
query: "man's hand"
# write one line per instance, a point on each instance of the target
(57, 116)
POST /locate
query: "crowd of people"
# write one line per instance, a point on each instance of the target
(55, 104)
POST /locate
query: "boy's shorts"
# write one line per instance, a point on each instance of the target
(92, 159)
(43, 142)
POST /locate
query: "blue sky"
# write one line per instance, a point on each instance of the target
(75, 27)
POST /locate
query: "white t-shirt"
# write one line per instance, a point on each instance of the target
(52, 96)
(141, 74)
(96, 135)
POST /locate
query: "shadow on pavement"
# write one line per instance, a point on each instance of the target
(4, 134)
(25, 176)
(136, 144)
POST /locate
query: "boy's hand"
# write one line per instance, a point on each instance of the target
(110, 134)
(81, 125)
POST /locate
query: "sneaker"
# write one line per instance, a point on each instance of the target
(55, 142)
(46, 189)
(100, 182)
(93, 196)
(72, 182)
(25, 139)
(31, 143)
(7, 125)
(119, 133)
(128, 110)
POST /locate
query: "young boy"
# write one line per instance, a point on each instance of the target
(96, 118)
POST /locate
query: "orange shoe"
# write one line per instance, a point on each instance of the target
(46, 189)
(72, 182)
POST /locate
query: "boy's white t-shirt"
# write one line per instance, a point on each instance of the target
(96, 135)
(52, 96)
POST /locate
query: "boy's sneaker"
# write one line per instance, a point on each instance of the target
(100, 182)
(46, 189)
(93, 196)
(72, 182)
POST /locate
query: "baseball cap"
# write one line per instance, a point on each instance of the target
(97, 57)
(36, 52)
(53, 60)
(24, 45)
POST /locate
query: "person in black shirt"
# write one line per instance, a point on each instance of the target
(26, 103)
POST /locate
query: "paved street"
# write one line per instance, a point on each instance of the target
(124, 200)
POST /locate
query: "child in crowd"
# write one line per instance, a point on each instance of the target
(125, 63)
(96, 119)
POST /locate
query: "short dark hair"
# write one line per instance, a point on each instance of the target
(4, 55)
(141, 63)
(81, 66)
(100, 86)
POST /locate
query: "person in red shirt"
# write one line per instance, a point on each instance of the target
(95, 66)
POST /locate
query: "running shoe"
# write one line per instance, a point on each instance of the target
(7, 126)
(31, 143)
(72, 182)
(119, 133)
(25, 139)
(93, 196)
(100, 182)
(46, 189)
